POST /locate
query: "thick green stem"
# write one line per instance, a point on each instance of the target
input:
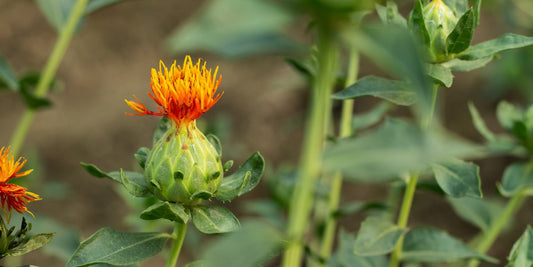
(310, 166)
(179, 236)
(345, 130)
(495, 228)
(48, 73)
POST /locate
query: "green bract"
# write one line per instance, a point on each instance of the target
(183, 166)
(440, 21)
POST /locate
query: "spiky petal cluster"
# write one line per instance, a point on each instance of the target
(13, 196)
(182, 93)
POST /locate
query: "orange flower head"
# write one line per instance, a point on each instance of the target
(182, 93)
(13, 196)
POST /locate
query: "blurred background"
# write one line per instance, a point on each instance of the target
(263, 108)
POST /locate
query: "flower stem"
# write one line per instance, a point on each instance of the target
(310, 166)
(495, 228)
(179, 236)
(48, 73)
(336, 184)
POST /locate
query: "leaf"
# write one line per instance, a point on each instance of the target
(394, 148)
(516, 177)
(344, 256)
(522, 251)
(461, 36)
(479, 212)
(377, 237)
(254, 244)
(96, 172)
(508, 114)
(395, 91)
(108, 246)
(502, 43)
(165, 210)
(95, 5)
(141, 155)
(458, 178)
(213, 139)
(440, 74)
(477, 8)
(466, 65)
(30, 99)
(56, 12)
(7, 77)
(417, 23)
(134, 183)
(243, 180)
(214, 219)
(432, 245)
(35, 242)
(257, 27)
(365, 120)
(389, 14)
(480, 125)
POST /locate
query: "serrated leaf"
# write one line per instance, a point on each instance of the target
(479, 212)
(458, 178)
(389, 14)
(461, 36)
(502, 43)
(243, 180)
(135, 183)
(467, 65)
(7, 77)
(365, 120)
(165, 210)
(141, 155)
(344, 256)
(440, 74)
(214, 219)
(516, 177)
(522, 252)
(397, 92)
(432, 245)
(479, 123)
(35, 242)
(108, 246)
(377, 237)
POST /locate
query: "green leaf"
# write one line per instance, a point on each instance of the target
(389, 14)
(161, 129)
(458, 178)
(461, 36)
(170, 211)
(304, 67)
(134, 183)
(56, 12)
(30, 99)
(257, 27)
(243, 180)
(213, 139)
(394, 148)
(253, 245)
(95, 5)
(344, 256)
(477, 8)
(417, 23)
(440, 74)
(7, 77)
(504, 42)
(397, 92)
(377, 237)
(141, 155)
(365, 120)
(432, 245)
(467, 65)
(458, 6)
(35, 242)
(516, 177)
(480, 125)
(522, 251)
(508, 114)
(96, 172)
(108, 246)
(214, 219)
(479, 212)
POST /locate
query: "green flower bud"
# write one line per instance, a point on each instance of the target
(183, 166)
(440, 21)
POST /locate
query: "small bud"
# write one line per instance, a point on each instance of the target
(440, 21)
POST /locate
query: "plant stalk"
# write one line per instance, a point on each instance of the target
(310, 166)
(177, 243)
(48, 73)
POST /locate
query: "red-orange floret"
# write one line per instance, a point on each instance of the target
(12, 196)
(182, 93)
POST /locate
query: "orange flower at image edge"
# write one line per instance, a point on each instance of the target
(182, 93)
(13, 196)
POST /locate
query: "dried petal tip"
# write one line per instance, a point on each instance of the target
(13, 196)
(182, 93)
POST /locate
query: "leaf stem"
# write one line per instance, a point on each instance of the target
(177, 243)
(48, 73)
(336, 183)
(310, 166)
(495, 228)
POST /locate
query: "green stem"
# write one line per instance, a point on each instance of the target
(336, 184)
(310, 166)
(48, 73)
(179, 236)
(495, 228)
